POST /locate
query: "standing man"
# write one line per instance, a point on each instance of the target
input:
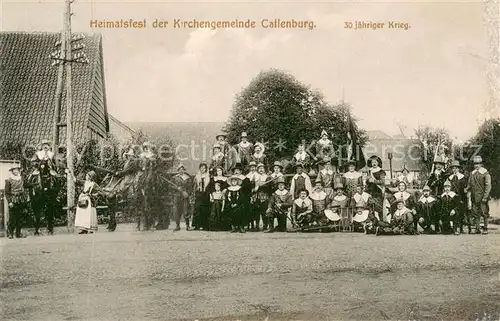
(184, 184)
(244, 149)
(459, 185)
(300, 182)
(478, 192)
(438, 177)
(262, 190)
(16, 199)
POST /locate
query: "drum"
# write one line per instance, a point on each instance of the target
(332, 216)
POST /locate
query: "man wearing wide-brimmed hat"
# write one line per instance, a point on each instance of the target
(17, 199)
(479, 188)
(458, 183)
(184, 184)
(244, 149)
(438, 177)
(427, 211)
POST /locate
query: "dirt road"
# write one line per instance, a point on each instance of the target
(220, 276)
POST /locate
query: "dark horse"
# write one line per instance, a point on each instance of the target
(45, 185)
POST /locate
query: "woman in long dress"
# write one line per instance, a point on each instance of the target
(86, 213)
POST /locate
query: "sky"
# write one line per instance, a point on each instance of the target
(431, 74)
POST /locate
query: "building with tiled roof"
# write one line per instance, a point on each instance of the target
(28, 84)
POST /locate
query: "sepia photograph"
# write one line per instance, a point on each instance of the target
(242, 160)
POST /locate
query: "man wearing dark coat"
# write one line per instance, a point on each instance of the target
(478, 189)
(459, 185)
(438, 177)
(280, 203)
(448, 210)
(426, 209)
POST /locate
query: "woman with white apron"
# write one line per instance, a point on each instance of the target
(86, 213)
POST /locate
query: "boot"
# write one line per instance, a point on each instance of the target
(177, 228)
(485, 227)
(188, 228)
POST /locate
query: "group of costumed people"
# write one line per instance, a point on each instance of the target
(255, 190)
(39, 190)
(240, 188)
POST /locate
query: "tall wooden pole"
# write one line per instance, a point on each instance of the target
(69, 120)
(59, 92)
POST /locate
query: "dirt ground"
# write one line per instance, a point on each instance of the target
(162, 275)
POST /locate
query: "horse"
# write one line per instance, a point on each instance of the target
(45, 184)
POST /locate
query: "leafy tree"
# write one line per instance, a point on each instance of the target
(487, 139)
(275, 105)
(430, 140)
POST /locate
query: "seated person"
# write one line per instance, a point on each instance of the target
(371, 223)
(320, 201)
(359, 219)
(400, 222)
(302, 209)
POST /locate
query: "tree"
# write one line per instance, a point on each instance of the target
(430, 139)
(275, 105)
(487, 139)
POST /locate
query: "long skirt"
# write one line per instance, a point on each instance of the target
(86, 218)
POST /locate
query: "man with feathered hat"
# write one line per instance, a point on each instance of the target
(479, 188)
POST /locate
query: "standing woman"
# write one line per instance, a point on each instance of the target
(236, 204)
(86, 213)
(201, 198)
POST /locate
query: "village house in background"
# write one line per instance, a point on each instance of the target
(28, 89)
(406, 156)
